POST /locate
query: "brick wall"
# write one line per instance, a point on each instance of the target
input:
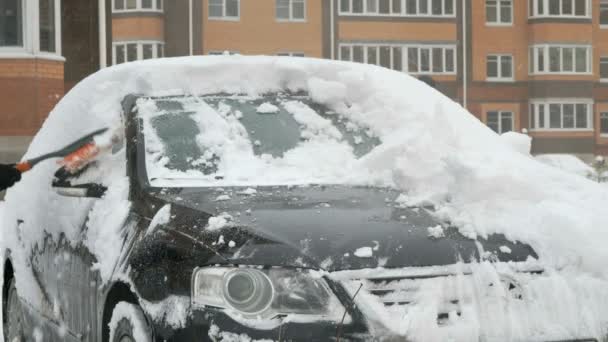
(29, 89)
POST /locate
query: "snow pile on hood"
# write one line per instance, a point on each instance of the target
(432, 149)
(567, 163)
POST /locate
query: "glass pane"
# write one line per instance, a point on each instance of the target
(131, 52)
(216, 8)
(568, 115)
(541, 6)
(385, 6)
(449, 60)
(492, 121)
(581, 59)
(436, 7)
(385, 56)
(119, 4)
(604, 14)
(580, 7)
(531, 60)
(161, 51)
(437, 60)
(541, 116)
(505, 11)
(397, 58)
(159, 4)
(423, 6)
(372, 57)
(147, 4)
(147, 51)
(131, 4)
(372, 6)
(540, 53)
(282, 9)
(506, 67)
(555, 117)
(425, 60)
(345, 5)
(396, 6)
(358, 54)
(506, 122)
(412, 59)
(568, 59)
(554, 7)
(232, 8)
(604, 68)
(357, 6)
(604, 123)
(345, 53)
(554, 59)
(491, 11)
(492, 66)
(119, 50)
(410, 7)
(532, 116)
(298, 10)
(47, 25)
(448, 7)
(567, 7)
(581, 116)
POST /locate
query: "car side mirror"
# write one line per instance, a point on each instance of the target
(62, 183)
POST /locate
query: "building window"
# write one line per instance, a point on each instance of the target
(561, 115)
(414, 59)
(224, 9)
(499, 67)
(136, 5)
(499, 12)
(604, 69)
(604, 124)
(427, 8)
(292, 54)
(136, 50)
(604, 13)
(11, 23)
(553, 59)
(47, 25)
(222, 53)
(291, 10)
(560, 8)
(499, 121)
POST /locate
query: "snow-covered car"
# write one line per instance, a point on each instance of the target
(244, 198)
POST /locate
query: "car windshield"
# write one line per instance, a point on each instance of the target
(279, 139)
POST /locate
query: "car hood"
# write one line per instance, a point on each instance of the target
(326, 227)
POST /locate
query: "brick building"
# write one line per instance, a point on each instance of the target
(540, 65)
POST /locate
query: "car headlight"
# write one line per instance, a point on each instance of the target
(267, 294)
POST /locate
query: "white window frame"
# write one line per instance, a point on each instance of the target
(139, 8)
(536, 14)
(498, 14)
(159, 46)
(561, 101)
(500, 78)
(603, 135)
(500, 115)
(603, 3)
(224, 17)
(401, 13)
(404, 56)
(534, 67)
(291, 54)
(30, 21)
(291, 17)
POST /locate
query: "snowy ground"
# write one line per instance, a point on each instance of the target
(432, 150)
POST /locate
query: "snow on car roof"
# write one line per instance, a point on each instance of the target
(433, 150)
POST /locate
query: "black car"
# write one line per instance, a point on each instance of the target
(206, 255)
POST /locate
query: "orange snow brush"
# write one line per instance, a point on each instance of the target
(75, 155)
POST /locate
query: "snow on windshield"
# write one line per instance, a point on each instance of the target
(202, 141)
(432, 150)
